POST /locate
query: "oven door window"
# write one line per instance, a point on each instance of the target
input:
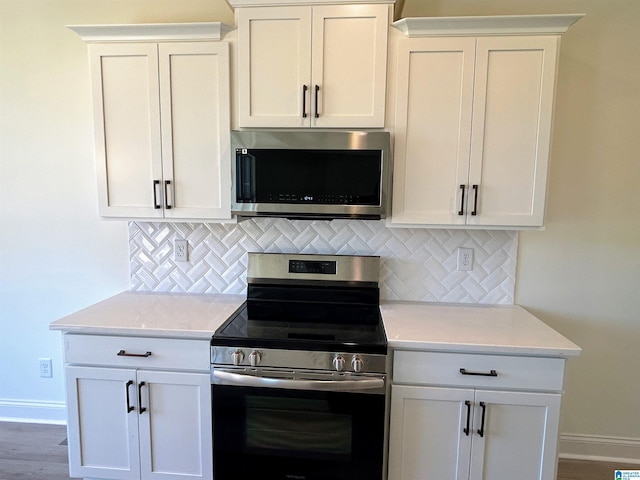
(292, 434)
(296, 427)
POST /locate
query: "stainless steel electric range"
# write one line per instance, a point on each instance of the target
(299, 373)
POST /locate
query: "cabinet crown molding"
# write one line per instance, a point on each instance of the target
(281, 3)
(487, 25)
(154, 32)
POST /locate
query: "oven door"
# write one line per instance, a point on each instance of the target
(284, 434)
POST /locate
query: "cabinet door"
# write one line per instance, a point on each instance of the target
(103, 431)
(433, 128)
(512, 113)
(127, 129)
(194, 93)
(520, 436)
(274, 66)
(427, 438)
(349, 65)
(175, 428)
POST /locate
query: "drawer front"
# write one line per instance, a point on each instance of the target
(137, 352)
(478, 371)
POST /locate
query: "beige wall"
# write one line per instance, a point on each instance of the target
(582, 274)
(56, 255)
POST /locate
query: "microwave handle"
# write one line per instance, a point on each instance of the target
(230, 378)
(245, 177)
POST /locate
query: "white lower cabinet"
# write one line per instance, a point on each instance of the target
(461, 433)
(136, 423)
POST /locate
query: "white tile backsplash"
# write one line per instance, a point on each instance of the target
(416, 264)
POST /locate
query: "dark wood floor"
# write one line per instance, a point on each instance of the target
(30, 451)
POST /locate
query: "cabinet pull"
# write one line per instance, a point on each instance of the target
(484, 411)
(317, 89)
(155, 194)
(461, 212)
(304, 101)
(123, 353)
(129, 407)
(475, 200)
(468, 404)
(491, 373)
(140, 407)
(167, 205)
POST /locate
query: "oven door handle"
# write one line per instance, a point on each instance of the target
(229, 378)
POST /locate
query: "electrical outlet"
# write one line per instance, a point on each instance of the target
(181, 250)
(465, 259)
(45, 368)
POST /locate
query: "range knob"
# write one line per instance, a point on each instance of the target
(338, 363)
(357, 364)
(237, 357)
(254, 358)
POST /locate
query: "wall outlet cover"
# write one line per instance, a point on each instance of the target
(181, 250)
(465, 259)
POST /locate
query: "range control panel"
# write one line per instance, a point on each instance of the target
(310, 266)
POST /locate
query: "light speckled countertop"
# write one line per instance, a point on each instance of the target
(153, 315)
(409, 325)
(499, 329)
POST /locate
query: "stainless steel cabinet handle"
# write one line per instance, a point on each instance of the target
(123, 353)
(229, 378)
(461, 211)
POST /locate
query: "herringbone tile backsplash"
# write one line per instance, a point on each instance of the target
(416, 264)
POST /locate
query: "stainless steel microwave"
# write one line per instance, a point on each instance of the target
(311, 175)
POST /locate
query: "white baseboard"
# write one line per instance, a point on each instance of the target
(596, 448)
(29, 411)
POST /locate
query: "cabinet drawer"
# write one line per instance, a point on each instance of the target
(481, 371)
(165, 353)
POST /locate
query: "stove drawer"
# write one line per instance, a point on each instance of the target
(137, 352)
(478, 371)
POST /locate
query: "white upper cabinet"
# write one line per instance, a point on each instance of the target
(473, 120)
(162, 120)
(312, 66)
(194, 106)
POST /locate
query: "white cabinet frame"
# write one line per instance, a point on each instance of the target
(435, 433)
(312, 66)
(126, 424)
(161, 96)
(474, 110)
